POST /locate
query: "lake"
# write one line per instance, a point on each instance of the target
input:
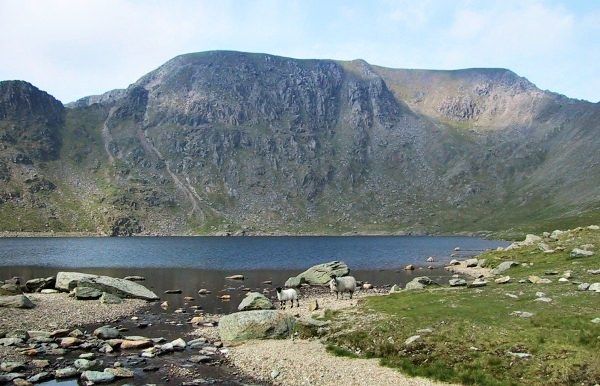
(191, 263)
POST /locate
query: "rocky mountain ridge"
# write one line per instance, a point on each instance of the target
(226, 142)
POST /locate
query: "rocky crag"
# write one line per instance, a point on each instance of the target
(229, 142)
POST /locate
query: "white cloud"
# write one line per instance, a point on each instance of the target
(75, 48)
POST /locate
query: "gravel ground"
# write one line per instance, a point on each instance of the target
(53, 311)
(305, 362)
(462, 269)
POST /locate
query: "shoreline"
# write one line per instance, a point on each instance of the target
(481, 234)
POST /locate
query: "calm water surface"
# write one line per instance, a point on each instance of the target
(191, 263)
(225, 253)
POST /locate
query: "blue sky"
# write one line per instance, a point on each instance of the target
(76, 48)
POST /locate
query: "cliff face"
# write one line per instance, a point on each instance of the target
(228, 141)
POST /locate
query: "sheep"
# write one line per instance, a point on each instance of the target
(342, 284)
(283, 295)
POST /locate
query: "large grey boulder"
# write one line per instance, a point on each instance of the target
(66, 281)
(504, 266)
(255, 301)
(319, 274)
(257, 324)
(16, 301)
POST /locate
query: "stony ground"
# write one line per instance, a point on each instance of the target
(55, 311)
(306, 362)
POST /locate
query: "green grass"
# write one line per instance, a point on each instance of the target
(473, 330)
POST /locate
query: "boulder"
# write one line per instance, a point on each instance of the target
(66, 372)
(583, 286)
(471, 263)
(502, 280)
(84, 364)
(419, 283)
(106, 332)
(504, 266)
(595, 287)
(409, 267)
(98, 376)
(395, 288)
(10, 367)
(319, 274)
(454, 262)
(86, 293)
(255, 301)
(294, 282)
(67, 281)
(577, 252)
(257, 324)
(39, 377)
(16, 301)
(457, 282)
(9, 289)
(69, 342)
(531, 239)
(107, 298)
(135, 344)
(538, 280)
(478, 283)
(36, 285)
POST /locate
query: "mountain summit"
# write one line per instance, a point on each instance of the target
(225, 141)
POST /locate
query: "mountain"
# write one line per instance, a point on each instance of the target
(223, 141)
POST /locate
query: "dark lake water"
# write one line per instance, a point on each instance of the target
(191, 263)
(227, 253)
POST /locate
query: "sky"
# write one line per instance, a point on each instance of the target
(76, 48)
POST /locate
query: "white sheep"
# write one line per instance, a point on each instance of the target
(283, 295)
(342, 284)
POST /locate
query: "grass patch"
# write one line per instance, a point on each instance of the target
(474, 338)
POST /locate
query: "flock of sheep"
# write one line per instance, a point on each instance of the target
(336, 284)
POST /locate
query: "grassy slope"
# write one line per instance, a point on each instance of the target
(473, 330)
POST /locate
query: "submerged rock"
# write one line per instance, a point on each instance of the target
(257, 324)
